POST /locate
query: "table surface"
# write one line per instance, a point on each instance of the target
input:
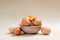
(5, 35)
(39, 36)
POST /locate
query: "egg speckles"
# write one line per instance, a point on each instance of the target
(45, 30)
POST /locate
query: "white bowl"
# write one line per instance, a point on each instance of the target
(31, 29)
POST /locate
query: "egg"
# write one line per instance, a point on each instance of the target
(11, 29)
(37, 22)
(45, 30)
(25, 22)
(17, 31)
(31, 23)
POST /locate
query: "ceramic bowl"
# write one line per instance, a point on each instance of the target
(30, 29)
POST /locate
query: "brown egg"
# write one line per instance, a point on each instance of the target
(37, 22)
(45, 30)
(25, 22)
(17, 31)
(31, 23)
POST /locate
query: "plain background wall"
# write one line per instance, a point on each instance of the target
(12, 11)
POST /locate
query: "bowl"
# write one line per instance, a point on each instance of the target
(30, 29)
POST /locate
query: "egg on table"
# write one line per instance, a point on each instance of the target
(17, 31)
(11, 29)
(45, 30)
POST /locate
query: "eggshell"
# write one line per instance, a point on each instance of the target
(25, 22)
(31, 23)
(37, 22)
(45, 30)
(11, 29)
(17, 31)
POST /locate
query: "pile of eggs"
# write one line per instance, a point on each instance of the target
(31, 21)
(30, 24)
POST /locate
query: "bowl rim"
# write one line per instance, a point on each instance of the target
(31, 26)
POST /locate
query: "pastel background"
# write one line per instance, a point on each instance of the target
(12, 12)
